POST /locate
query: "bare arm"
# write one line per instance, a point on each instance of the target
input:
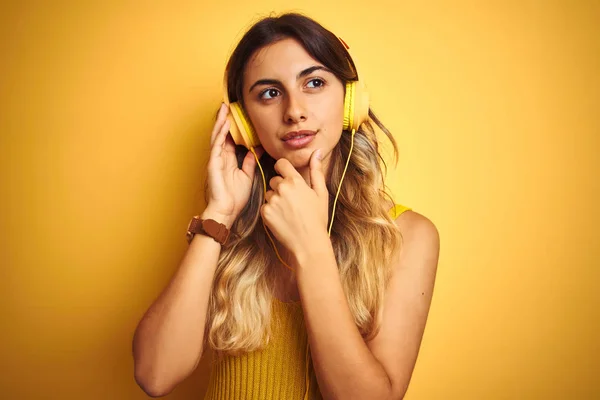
(167, 345)
(345, 366)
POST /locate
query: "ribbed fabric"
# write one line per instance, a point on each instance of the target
(278, 371)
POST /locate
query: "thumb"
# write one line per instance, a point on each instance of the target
(317, 178)
(249, 162)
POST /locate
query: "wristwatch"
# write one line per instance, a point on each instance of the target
(208, 227)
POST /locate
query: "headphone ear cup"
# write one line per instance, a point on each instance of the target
(349, 106)
(240, 127)
(356, 105)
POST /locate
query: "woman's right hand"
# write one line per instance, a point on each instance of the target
(228, 186)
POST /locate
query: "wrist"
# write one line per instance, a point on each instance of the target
(225, 219)
(313, 253)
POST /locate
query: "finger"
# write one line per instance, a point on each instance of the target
(269, 194)
(275, 182)
(220, 139)
(221, 115)
(317, 178)
(222, 135)
(229, 144)
(249, 164)
(219, 121)
(250, 161)
(286, 169)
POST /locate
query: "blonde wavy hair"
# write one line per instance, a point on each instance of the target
(364, 236)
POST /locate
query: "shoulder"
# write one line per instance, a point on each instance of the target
(412, 223)
(413, 226)
(420, 240)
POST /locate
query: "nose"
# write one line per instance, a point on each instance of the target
(295, 110)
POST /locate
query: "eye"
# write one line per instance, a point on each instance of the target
(316, 83)
(268, 94)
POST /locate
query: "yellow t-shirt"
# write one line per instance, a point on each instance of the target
(278, 371)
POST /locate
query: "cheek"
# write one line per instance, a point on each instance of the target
(265, 124)
(332, 111)
(261, 120)
(333, 117)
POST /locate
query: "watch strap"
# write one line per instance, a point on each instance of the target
(208, 227)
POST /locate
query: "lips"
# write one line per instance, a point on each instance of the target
(298, 134)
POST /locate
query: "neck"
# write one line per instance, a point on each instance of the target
(281, 272)
(284, 253)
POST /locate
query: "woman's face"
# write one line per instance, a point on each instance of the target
(286, 90)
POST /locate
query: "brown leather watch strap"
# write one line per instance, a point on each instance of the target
(208, 227)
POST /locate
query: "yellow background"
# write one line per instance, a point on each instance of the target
(105, 114)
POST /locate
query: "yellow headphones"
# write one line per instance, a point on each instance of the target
(356, 111)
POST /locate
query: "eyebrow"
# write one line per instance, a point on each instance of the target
(302, 74)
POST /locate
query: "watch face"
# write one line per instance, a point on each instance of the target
(192, 228)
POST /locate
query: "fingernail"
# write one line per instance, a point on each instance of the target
(319, 155)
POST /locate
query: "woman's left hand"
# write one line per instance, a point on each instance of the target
(295, 212)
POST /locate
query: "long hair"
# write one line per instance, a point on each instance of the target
(363, 235)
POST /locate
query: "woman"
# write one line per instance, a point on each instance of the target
(293, 305)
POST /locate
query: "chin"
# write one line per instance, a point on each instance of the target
(300, 158)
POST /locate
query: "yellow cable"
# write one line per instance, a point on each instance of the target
(307, 377)
(341, 180)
